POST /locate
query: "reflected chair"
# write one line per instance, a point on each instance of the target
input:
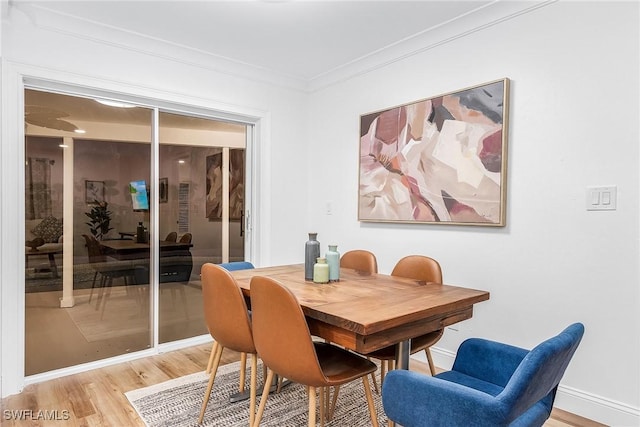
(108, 271)
(423, 269)
(171, 237)
(186, 238)
(233, 266)
(279, 326)
(490, 384)
(360, 260)
(228, 322)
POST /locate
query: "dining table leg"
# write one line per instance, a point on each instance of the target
(403, 350)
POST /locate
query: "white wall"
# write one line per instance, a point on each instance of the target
(30, 49)
(574, 123)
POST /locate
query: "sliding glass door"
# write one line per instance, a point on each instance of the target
(119, 218)
(201, 207)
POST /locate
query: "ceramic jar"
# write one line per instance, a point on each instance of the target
(321, 271)
(311, 254)
(333, 260)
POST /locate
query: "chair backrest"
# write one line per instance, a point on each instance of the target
(540, 371)
(236, 265)
(281, 333)
(418, 267)
(225, 310)
(93, 249)
(360, 260)
(171, 237)
(186, 238)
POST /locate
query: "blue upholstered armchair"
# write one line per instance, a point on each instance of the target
(490, 384)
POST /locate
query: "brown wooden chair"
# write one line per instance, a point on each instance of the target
(228, 322)
(234, 266)
(423, 269)
(171, 237)
(364, 262)
(279, 325)
(360, 260)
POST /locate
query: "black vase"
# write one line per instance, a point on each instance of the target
(311, 254)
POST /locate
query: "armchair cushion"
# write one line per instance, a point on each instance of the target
(491, 384)
(49, 229)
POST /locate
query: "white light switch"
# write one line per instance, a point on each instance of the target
(602, 198)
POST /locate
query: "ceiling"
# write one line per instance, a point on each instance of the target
(301, 44)
(300, 40)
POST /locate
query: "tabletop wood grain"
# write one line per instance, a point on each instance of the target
(365, 312)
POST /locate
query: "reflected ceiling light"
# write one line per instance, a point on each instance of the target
(63, 145)
(112, 103)
(80, 131)
(181, 162)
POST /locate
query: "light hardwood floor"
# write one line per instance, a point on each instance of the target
(96, 398)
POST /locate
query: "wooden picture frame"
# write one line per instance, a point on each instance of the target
(94, 192)
(163, 190)
(440, 160)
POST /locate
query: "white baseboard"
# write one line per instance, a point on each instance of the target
(578, 402)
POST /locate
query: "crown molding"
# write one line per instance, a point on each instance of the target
(483, 17)
(462, 26)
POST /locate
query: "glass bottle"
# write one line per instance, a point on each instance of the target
(333, 260)
(140, 237)
(311, 254)
(321, 271)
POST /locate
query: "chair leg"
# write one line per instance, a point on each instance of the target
(106, 296)
(212, 377)
(373, 379)
(323, 400)
(372, 407)
(93, 284)
(243, 371)
(214, 348)
(252, 390)
(383, 370)
(334, 401)
(375, 382)
(103, 282)
(311, 391)
(263, 399)
(432, 367)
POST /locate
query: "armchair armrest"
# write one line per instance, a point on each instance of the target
(416, 400)
(488, 361)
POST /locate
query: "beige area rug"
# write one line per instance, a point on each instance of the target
(124, 310)
(177, 403)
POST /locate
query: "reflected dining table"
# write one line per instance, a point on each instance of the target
(365, 312)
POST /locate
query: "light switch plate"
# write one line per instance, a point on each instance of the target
(602, 198)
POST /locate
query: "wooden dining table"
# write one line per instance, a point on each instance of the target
(129, 249)
(365, 312)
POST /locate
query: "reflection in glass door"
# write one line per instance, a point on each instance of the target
(98, 205)
(87, 297)
(201, 211)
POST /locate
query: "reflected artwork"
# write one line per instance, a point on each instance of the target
(440, 160)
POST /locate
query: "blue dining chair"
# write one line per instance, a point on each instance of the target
(490, 384)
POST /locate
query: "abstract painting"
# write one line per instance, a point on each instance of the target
(440, 160)
(214, 185)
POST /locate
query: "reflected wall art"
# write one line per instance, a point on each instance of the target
(441, 160)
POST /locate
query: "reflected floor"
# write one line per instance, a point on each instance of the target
(107, 323)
